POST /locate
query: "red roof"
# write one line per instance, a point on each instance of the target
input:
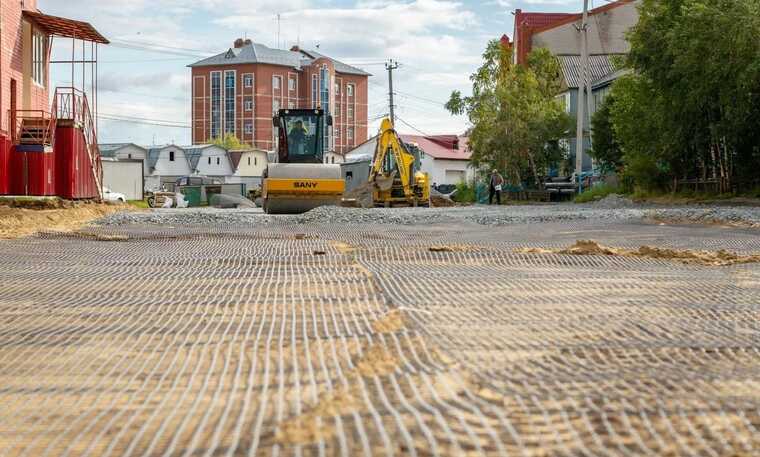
(450, 147)
(63, 27)
(527, 24)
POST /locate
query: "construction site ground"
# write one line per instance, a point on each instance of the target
(238, 334)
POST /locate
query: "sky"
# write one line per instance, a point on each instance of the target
(144, 82)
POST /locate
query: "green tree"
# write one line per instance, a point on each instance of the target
(606, 150)
(515, 115)
(697, 90)
(229, 142)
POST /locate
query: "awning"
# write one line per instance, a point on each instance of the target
(68, 28)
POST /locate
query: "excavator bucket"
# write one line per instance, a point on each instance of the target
(298, 188)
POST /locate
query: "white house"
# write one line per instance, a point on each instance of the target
(249, 166)
(334, 157)
(445, 158)
(123, 151)
(164, 165)
(209, 160)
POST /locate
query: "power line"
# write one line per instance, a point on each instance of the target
(411, 126)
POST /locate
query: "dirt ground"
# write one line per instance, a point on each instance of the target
(17, 222)
(291, 339)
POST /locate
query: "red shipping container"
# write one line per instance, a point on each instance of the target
(73, 167)
(5, 163)
(32, 170)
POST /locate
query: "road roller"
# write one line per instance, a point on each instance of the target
(299, 180)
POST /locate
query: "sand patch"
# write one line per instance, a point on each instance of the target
(19, 222)
(391, 322)
(453, 248)
(709, 258)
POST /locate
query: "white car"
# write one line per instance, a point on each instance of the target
(111, 196)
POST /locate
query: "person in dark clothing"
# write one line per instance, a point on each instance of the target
(494, 187)
(297, 139)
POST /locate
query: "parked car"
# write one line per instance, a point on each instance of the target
(111, 196)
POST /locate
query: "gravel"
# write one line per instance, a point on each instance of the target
(478, 214)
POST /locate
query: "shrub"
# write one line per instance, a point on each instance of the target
(597, 192)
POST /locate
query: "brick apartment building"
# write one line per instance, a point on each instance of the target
(239, 90)
(24, 62)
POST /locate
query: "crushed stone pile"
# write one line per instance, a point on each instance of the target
(589, 247)
(614, 201)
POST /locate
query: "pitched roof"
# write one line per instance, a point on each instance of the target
(154, 154)
(110, 149)
(64, 27)
(600, 66)
(449, 147)
(258, 53)
(195, 152)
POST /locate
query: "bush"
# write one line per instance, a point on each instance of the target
(597, 192)
(465, 193)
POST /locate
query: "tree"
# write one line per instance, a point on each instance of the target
(515, 114)
(693, 106)
(229, 142)
(606, 150)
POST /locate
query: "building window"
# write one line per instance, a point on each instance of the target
(275, 107)
(248, 104)
(249, 128)
(248, 80)
(324, 99)
(129, 156)
(291, 84)
(171, 156)
(350, 133)
(314, 91)
(255, 160)
(332, 159)
(350, 90)
(218, 161)
(209, 160)
(350, 112)
(337, 89)
(249, 161)
(39, 53)
(229, 101)
(291, 105)
(216, 103)
(276, 83)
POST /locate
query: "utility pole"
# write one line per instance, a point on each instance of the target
(582, 86)
(390, 66)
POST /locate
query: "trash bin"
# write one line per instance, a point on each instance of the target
(192, 195)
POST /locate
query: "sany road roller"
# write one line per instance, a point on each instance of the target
(299, 180)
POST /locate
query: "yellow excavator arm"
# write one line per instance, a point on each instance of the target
(395, 174)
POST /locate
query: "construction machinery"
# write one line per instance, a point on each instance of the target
(395, 174)
(298, 180)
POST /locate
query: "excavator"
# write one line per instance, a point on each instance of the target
(299, 180)
(396, 176)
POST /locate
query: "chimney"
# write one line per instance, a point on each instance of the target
(295, 49)
(239, 43)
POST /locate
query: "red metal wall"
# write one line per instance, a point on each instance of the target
(73, 167)
(5, 154)
(32, 171)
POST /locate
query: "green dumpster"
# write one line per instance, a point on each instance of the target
(192, 195)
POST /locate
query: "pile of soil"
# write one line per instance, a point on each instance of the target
(17, 222)
(588, 247)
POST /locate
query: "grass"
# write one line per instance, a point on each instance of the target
(143, 204)
(597, 192)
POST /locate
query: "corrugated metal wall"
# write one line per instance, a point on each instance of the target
(125, 177)
(32, 170)
(5, 163)
(73, 167)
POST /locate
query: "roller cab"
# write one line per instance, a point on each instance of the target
(300, 181)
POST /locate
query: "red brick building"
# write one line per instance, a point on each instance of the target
(24, 67)
(238, 91)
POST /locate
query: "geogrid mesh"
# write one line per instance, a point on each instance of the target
(355, 340)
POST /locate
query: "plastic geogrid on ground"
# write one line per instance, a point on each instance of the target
(350, 340)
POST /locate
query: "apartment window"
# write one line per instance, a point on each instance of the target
(248, 104)
(209, 160)
(350, 90)
(129, 156)
(249, 161)
(350, 112)
(248, 80)
(276, 83)
(249, 130)
(216, 103)
(337, 89)
(171, 156)
(39, 53)
(324, 89)
(275, 107)
(218, 161)
(291, 105)
(229, 101)
(291, 84)
(350, 133)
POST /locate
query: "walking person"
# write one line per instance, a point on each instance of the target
(494, 187)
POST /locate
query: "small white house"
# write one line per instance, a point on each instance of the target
(167, 162)
(334, 157)
(123, 151)
(209, 160)
(445, 158)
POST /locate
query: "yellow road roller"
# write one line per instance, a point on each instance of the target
(299, 180)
